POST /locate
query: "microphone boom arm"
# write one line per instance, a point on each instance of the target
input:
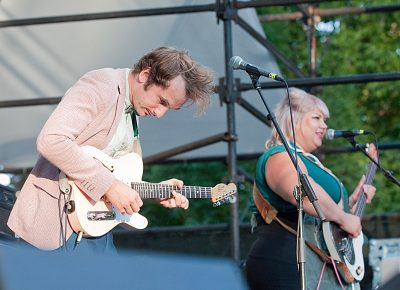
(388, 174)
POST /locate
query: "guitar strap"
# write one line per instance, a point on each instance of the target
(63, 184)
(269, 213)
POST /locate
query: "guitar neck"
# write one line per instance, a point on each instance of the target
(158, 190)
(362, 199)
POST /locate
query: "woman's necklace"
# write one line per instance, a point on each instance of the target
(316, 161)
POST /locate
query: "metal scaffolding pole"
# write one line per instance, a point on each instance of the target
(108, 15)
(226, 15)
(328, 12)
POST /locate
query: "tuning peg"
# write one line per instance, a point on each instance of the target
(231, 199)
(217, 203)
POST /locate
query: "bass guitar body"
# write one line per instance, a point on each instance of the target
(345, 249)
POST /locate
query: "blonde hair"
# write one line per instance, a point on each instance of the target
(301, 103)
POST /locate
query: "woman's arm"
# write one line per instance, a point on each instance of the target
(282, 178)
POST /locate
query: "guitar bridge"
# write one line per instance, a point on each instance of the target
(100, 215)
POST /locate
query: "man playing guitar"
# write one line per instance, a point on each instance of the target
(102, 110)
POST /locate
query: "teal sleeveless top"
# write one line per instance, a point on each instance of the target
(329, 182)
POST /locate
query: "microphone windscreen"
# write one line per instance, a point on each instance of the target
(330, 134)
(235, 62)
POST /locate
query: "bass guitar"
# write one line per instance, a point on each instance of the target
(345, 250)
(93, 219)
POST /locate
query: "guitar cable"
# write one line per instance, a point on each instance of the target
(63, 214)
(321, 274)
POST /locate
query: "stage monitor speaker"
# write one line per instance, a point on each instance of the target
(22, 268)
(392, 284)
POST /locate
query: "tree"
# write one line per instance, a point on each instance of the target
(354, 44)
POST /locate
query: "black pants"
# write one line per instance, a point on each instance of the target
(271, 263)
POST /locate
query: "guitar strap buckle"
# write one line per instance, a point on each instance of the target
(63, 184)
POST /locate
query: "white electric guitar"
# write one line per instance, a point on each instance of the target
(93, 219)
(342, 247)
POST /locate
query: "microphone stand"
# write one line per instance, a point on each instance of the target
(298, 192)
(388, 174)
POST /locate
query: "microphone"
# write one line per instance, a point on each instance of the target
(237, 62)
(332, 134)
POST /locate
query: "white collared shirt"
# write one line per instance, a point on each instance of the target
(122, 141)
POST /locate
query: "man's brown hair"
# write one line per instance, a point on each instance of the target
(166, 63)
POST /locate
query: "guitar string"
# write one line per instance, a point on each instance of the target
(150, 190)
(368, 180)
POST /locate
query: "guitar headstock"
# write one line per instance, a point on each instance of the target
(222, 193)
(372, 152)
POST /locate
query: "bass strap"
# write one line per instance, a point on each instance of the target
(270, 213)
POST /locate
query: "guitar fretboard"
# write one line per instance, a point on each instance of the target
(158, 190)
(362, 199)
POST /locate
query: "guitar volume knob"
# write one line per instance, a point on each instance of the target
(360, 270)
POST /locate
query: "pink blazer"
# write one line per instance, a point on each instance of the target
(88, 114)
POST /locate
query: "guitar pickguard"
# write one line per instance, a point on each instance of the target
(345, 249)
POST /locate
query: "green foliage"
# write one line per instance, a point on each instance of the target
(367, 43)
(201, 211)
(358, 44)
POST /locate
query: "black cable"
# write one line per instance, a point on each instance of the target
(63, 232)
(294, 136)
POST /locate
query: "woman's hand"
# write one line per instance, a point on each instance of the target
(177, 200)
(368, 189)
(351, 224)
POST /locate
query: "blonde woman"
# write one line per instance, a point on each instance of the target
(272, 262)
